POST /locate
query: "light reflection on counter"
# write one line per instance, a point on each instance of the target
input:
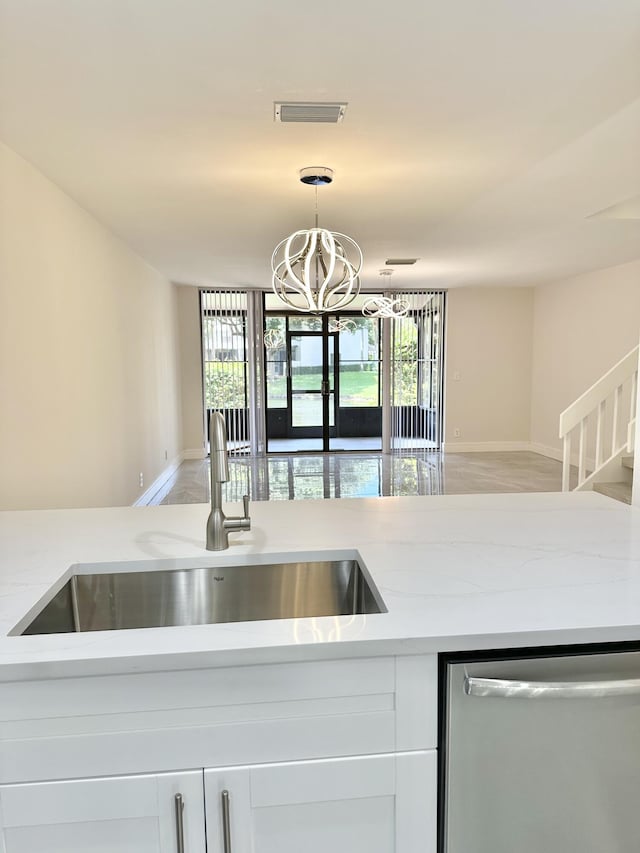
(328, 629)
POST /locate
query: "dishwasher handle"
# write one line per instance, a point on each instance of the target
(510, 689)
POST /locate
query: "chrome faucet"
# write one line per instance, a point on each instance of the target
(218, 525)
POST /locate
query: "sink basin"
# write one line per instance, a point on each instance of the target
(112, 601)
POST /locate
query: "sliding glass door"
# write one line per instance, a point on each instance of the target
(315, 383)
(323, 382)
(311, 387)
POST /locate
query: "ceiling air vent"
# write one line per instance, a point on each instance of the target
(400, 262)
(305, 111)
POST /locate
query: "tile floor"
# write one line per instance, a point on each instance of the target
(351, 475)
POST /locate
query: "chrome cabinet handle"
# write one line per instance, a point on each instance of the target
(226, 823)
(508, 689)
(179, 807)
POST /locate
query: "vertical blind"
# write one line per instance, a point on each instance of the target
(231, 361)
(416, 370)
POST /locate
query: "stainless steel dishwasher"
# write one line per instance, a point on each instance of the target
(541, 755)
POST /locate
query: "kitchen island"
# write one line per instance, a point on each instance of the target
(312, 726)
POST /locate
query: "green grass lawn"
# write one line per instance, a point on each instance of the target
(357, 387)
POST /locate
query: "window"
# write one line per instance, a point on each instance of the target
(359, 348)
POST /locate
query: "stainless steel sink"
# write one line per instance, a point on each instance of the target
(204, 595)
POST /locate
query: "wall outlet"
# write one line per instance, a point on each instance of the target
(456, 376)
(456, 432)
(141, 480)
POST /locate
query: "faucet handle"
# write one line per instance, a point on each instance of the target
(245, 501)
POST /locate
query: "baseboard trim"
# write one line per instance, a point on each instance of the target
(161, 485)
(546, 450)
(506, 446)
(556, 453)
(485, 446)
(194, 453)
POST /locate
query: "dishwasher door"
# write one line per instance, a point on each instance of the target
(542, 755)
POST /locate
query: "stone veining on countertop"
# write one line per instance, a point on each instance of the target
(454, 571)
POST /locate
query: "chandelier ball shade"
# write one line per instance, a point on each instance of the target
(316, 270)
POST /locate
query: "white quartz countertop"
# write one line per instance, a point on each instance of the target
(455, 572)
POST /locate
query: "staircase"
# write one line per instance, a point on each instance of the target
(598, 433)
(619, 491)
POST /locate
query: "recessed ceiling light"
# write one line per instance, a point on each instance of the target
(309, 111)
(400, 262)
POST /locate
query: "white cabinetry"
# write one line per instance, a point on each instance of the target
(373, 804)
(377, 804)
(127, 814)
(316, 756)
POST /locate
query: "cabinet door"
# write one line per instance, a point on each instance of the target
(127, 814)
(373, 804)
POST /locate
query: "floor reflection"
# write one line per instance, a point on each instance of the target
(289, 478)
(304, 477)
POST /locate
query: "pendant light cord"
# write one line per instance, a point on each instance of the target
(317, 254)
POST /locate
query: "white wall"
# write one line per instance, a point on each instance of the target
(581, 327)
(88, 354)
(635, 494)
(191, 371)
(488, 346)
(522, 355)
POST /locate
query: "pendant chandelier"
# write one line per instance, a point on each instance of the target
(316, 270)
(385, 307)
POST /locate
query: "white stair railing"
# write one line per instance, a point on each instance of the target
(603, 402)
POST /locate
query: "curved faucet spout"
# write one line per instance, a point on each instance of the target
(218, 449)
(218, 525)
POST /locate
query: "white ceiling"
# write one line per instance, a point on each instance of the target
(481, 135)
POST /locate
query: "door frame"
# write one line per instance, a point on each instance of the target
(327, 371)
(278, 425)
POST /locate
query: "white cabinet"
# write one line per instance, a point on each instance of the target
(374, 804)
(128, 814)
(316, 755)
